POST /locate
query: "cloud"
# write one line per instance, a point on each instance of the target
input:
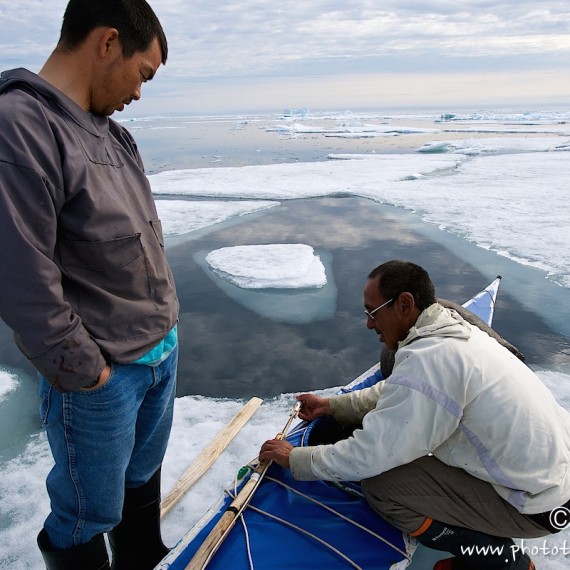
(252, 37)
(256, 38)
(249, 37)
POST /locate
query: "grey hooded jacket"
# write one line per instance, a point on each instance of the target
(84, 274)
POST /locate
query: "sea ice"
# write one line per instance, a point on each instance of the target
(496, 145)
(8, 383)
(281, 266)
(182, 216)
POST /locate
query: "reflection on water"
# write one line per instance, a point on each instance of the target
(232, 347)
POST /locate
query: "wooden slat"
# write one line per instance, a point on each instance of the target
(227, 521)
(209, 455)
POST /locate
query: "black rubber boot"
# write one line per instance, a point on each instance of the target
(474, 550)
(136, 542)
(89, 556)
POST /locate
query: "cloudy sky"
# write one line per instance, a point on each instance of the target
(242, 56)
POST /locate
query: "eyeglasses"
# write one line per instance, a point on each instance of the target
(370, 314)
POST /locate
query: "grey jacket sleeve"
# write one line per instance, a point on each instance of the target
(46, 330)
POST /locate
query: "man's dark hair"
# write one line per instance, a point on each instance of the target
(135, 21)
(397, 277)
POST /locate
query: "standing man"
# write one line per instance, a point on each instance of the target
(462, 446)
(87, 288)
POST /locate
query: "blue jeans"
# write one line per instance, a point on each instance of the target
(102, 441)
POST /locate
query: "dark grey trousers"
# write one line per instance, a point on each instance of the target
(428, 489)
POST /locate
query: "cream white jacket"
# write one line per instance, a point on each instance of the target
(457, 393)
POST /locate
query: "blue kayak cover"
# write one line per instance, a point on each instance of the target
(304, 533)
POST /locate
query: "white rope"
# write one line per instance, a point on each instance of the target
(231, 495)
(309, 534)
(247, 542)
(300, 428)
(294, 527)
(326, 507)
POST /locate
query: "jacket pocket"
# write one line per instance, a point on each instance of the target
(101, 255)
(107, 282)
